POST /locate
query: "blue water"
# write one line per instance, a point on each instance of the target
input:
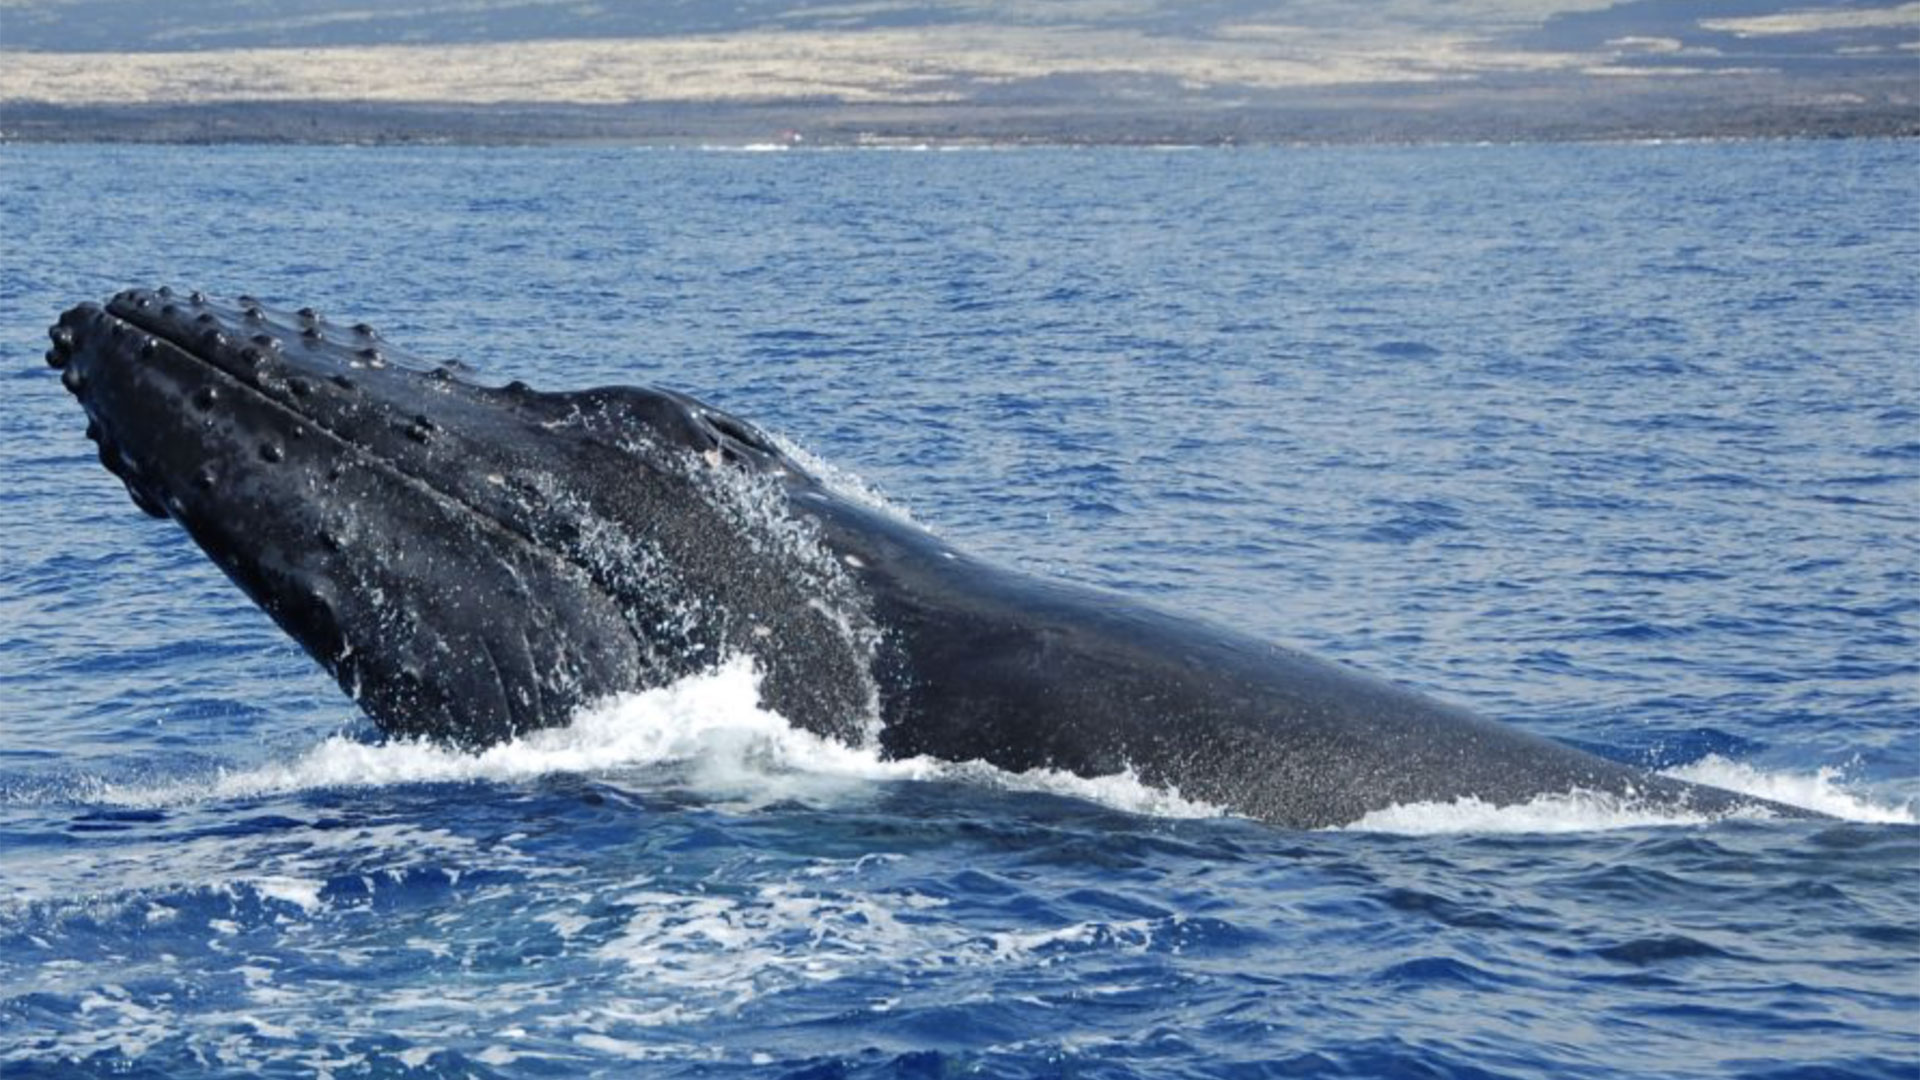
(1618, 443)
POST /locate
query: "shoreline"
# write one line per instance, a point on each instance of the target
(1336, 121)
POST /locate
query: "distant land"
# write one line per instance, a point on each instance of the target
(955, 71)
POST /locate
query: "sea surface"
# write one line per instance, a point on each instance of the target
(1617, 443)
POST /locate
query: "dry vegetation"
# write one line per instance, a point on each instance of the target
(906, 65)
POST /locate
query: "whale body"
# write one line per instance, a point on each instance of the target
(473, 562)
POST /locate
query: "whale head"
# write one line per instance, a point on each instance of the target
(469, 561)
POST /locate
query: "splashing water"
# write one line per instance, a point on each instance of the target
(1824, 790)
(735, 752)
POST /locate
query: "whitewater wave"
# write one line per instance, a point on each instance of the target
(1822, 791)
(725, 745)
(711, 724)
(1561, 812)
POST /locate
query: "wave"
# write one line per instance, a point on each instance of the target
(710, 724)
(1822, 791)
(725, 745)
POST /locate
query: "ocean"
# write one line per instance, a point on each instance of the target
(1616, 443)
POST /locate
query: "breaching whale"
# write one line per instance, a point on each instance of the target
(472, 562)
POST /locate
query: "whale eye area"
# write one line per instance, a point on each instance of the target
(738, 432)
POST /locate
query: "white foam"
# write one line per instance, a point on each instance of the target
(847, 484)
(723, 744)
(1586, 811)
(711, 725)
(300, 892)
(692, 716)
(1822, 790)
(1577, 811)
(696, 956)
(1122, 790)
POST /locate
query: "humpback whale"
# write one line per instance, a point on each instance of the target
(474, 561)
